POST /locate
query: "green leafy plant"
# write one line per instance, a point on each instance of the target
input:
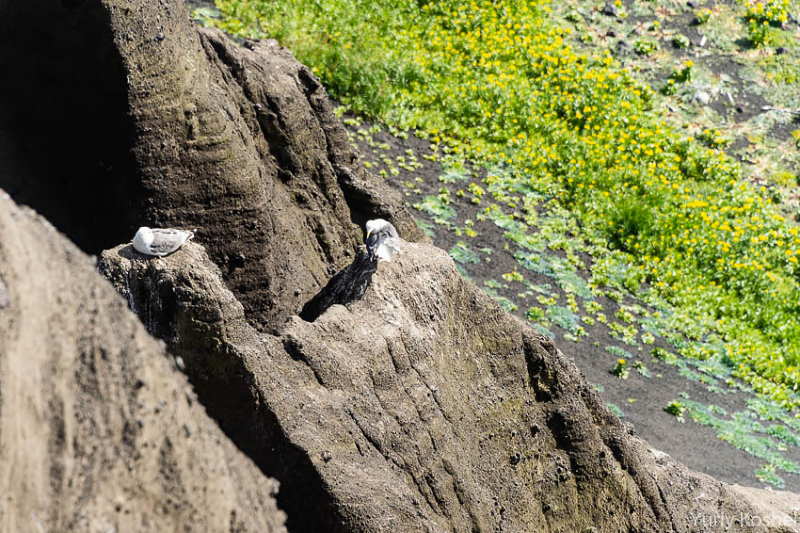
(661, 353)
(619, 352)
(621, 369)
(535, 314)
(616, 410)
(677, 409)
(714, 138)
(680, 41)
(644, 47)
(702, 15)
(769, 11)
(462, 253)
(642, 369)
(758, 32)
(682, 75)
(767, 474)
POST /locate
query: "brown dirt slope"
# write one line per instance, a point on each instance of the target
(425, 407)
(99, 431)
(152, 121)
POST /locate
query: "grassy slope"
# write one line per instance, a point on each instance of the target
(578, 158)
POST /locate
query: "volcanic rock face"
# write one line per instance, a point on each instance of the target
(422, 407)
(183, 129)
(418, 406)
(98, 430)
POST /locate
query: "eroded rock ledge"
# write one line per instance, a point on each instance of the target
(423, 407)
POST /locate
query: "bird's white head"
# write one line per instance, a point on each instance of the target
(375, 225)
(144, 236)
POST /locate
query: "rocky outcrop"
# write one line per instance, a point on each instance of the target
(418, 406)
(423, 407)
(99, 431)
(183, 128)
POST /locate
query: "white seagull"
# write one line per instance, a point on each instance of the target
(160, 242)
(382, 240)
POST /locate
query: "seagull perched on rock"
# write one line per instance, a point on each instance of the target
(160, 242)
(382, 240)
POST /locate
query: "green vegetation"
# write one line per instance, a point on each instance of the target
(744, 431)
(621, 369)
(681, 41)
(676, 408)
(438, 207)
(642, 369)
(702, 15)
(567, 135)
(462, 253)
(619, 352)
(769, 11)
(616, 410)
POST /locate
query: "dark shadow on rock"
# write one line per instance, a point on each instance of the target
(348, 285)
(65, 141)
(253, 428)
(129, 252)
(181, 300)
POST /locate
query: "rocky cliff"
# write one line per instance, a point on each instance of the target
(151, 121)
(417, 406)
(422, 407)
(99, 431)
